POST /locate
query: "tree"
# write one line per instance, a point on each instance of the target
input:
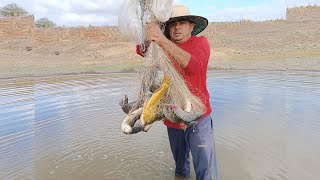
(44, 23)
(12, 10)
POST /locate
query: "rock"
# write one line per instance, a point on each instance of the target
(56, 52)
(28, 48)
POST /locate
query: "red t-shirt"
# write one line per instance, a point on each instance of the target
(195, 73)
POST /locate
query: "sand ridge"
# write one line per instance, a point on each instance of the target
(292, 44)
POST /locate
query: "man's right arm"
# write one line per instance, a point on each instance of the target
(142, 50)
(139, 51)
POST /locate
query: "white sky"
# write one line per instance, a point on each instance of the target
(105, 12)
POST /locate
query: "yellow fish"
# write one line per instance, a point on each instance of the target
(151, 108)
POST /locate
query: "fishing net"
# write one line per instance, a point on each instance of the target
(156, 64)
(129, 21)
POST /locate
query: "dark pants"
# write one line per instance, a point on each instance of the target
(200, 141)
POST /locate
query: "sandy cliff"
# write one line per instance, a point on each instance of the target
(291, 44)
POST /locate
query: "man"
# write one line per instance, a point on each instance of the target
(191, 55)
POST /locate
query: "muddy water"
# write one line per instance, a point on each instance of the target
(266, 127)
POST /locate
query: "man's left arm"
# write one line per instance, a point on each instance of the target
(200, 54)
(155, 34)
(193, 61)
(182, 57)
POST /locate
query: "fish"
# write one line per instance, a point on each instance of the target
(151, 108)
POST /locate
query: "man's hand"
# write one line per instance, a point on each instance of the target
(154, 33)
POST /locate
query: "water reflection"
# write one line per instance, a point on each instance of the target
(68, 128)
(256, 122)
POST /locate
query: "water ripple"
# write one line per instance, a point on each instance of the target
(266, 127)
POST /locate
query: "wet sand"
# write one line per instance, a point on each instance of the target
(17, 64)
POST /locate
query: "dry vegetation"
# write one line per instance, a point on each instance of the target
(275, 44)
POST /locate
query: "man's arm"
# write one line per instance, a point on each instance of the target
(182, 57)
(140, 51)
(155, 34)
(200, 54)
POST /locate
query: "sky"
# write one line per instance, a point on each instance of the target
(105, 12)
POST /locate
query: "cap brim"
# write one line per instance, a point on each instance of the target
(200, 22)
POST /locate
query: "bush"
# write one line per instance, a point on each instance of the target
(12, 10)
(44, 23)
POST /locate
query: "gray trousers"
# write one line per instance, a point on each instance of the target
(199, 140)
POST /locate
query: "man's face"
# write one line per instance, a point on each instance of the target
(180, 31)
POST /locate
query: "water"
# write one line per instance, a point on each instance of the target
(266, 127)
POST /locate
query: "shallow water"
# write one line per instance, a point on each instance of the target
(266, 127)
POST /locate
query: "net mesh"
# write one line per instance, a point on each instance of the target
(156, 63)
(178, 93)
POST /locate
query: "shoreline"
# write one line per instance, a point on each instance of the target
(289, 64)
(33, 65)
(210, 70)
